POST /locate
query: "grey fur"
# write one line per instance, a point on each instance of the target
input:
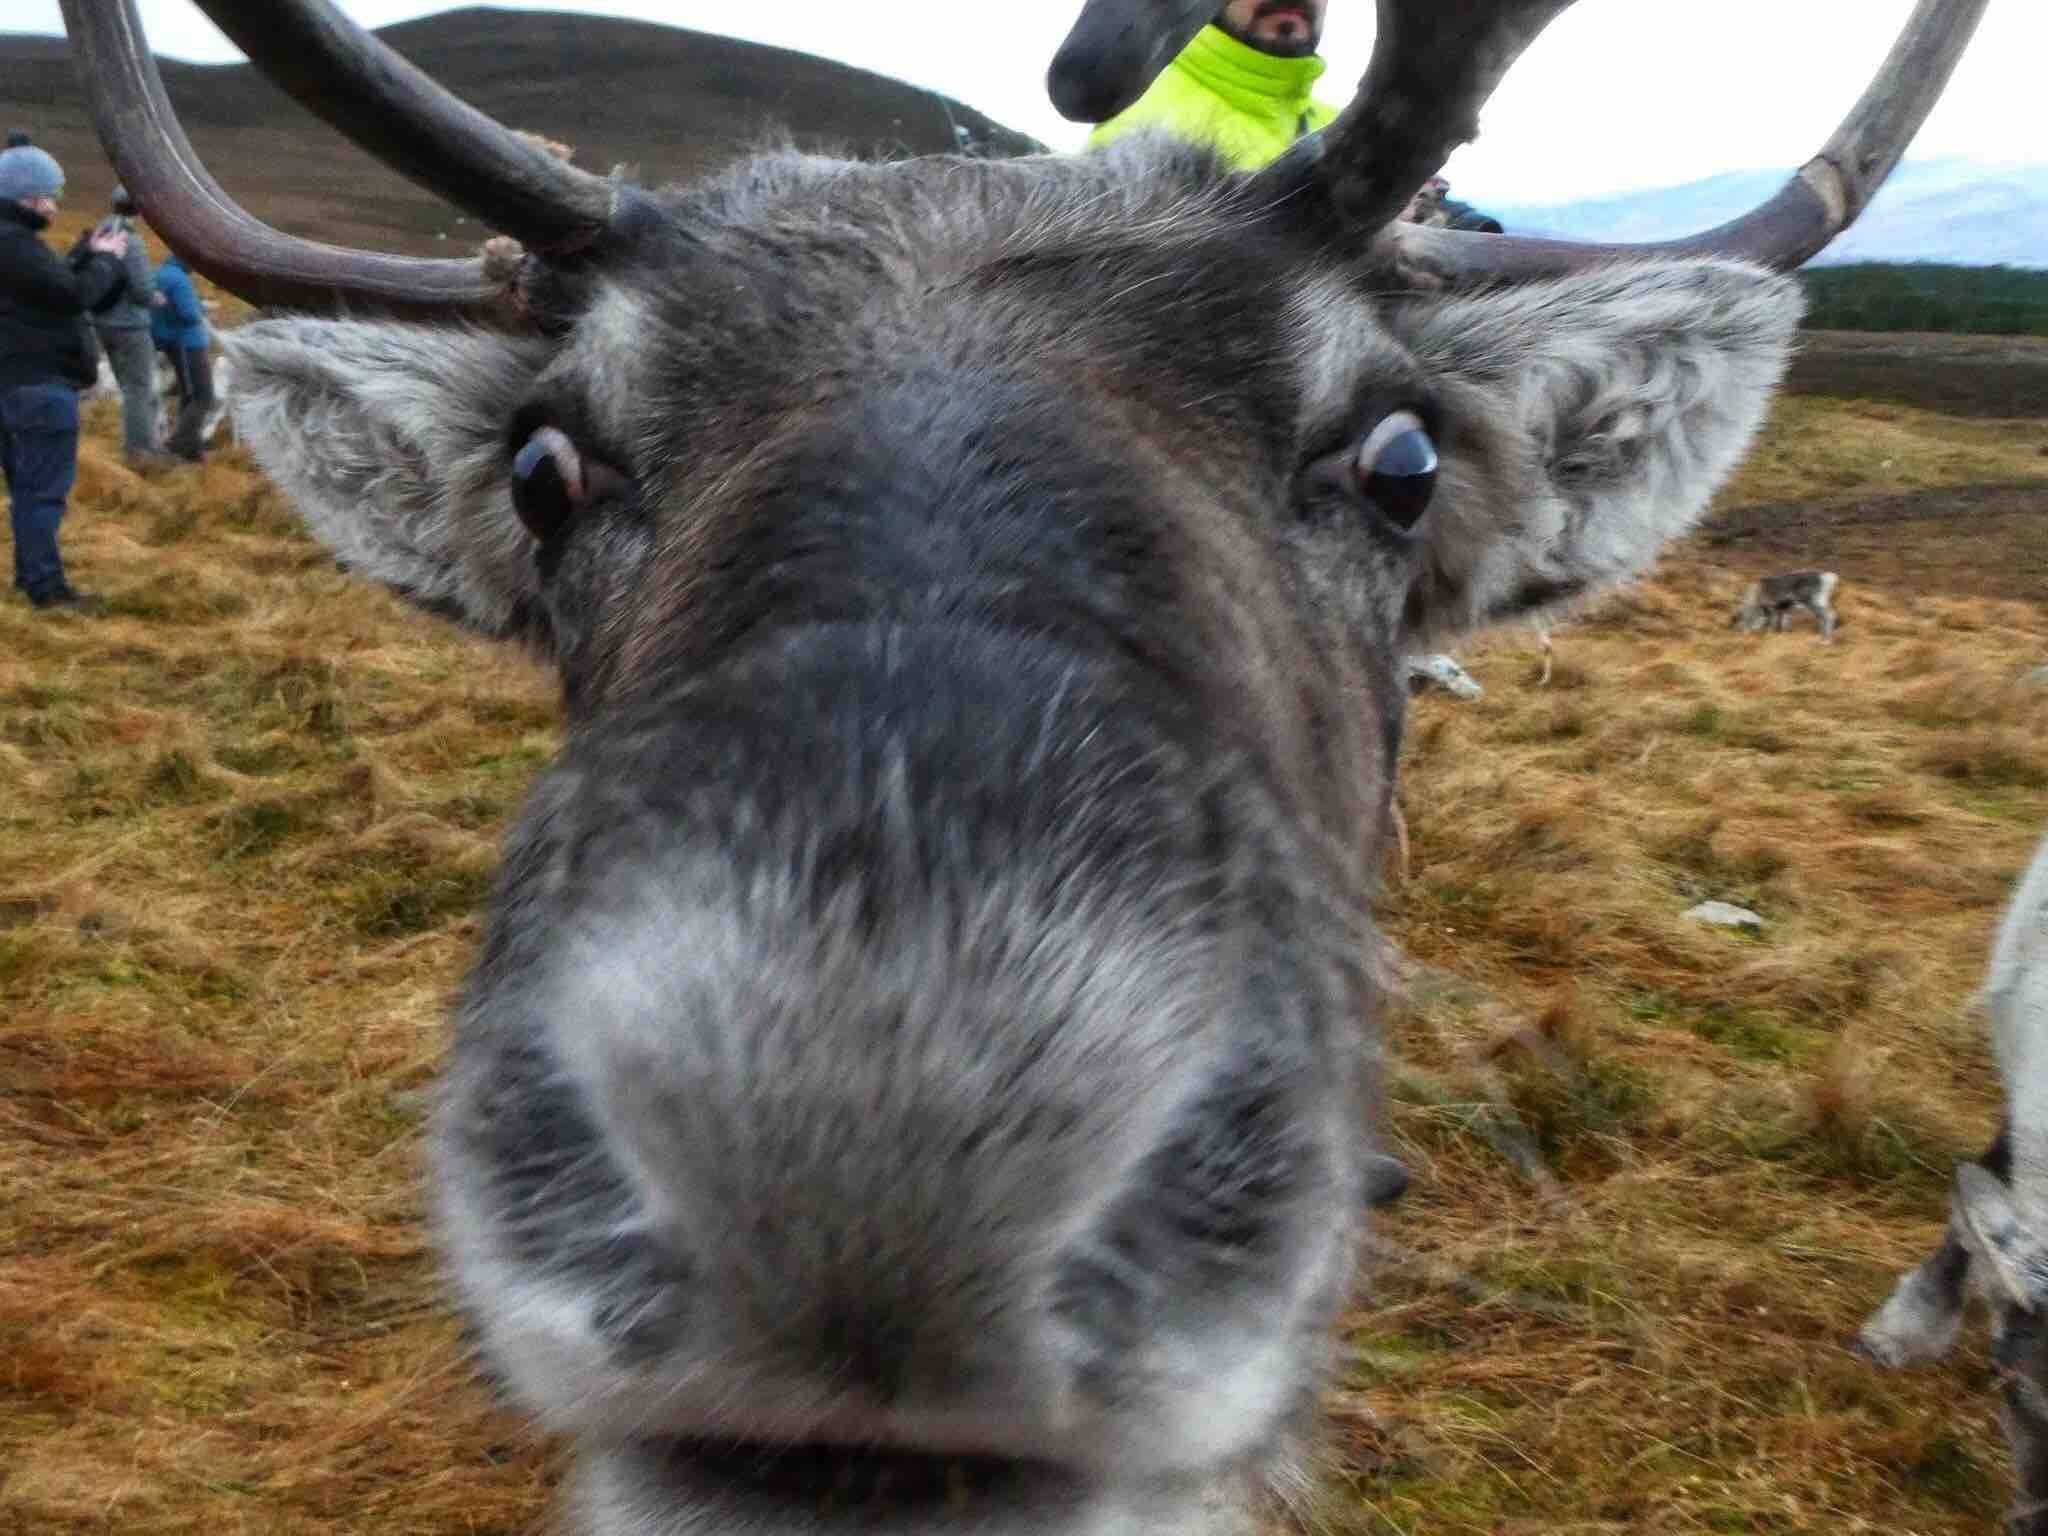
(912, 1079)
(1769, 602)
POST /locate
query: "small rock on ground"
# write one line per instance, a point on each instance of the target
(1726, 915)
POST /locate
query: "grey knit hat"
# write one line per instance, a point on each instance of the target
(29, 172)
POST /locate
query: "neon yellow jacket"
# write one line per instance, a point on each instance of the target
(1249, 105)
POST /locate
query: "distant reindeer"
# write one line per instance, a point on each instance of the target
(1998, 1215)
(1440, 672)
(1424, 673)
(918, 1076)
(1769, 602)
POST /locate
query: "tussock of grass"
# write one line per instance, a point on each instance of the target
(1663, 1170)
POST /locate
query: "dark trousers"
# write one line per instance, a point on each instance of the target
(39, 457)
(195, 398)
(133, 360)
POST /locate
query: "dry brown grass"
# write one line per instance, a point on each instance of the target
(1663, 1170)
(245, 819)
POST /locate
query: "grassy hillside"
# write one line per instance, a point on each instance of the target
(1663, 1171)
(673, 102)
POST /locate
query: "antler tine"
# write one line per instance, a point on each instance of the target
(1824, 198)
(1434, 64)
(1117, 49)
(1821, 200)
(208, 228)
(418, 127)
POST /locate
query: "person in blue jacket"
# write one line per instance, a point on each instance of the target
(177, 324)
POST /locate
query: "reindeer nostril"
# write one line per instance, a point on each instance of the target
(1386, 1180)
(874, 1480)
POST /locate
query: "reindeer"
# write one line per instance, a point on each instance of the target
(1544, 645)
(1440, 672)
(1998, 1215)
(1769, 602)
(1423, 673)
(918, 1073)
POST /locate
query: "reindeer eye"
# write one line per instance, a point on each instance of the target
(547, 482)
(1397, 468)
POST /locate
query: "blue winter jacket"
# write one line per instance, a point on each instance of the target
(179, 321)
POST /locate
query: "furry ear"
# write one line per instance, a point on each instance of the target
(1587, 421)
(390, 439)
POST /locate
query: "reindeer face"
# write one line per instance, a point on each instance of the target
(913, 1077)
(918, 1019)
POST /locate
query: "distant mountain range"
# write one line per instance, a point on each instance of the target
(1962, 211)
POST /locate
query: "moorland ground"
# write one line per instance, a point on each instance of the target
(1662, 1170)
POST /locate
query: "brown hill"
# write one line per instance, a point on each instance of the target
(673, 102)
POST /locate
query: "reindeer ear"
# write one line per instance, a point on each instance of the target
(390, 440)
(2012, 1253)
(1586, 421)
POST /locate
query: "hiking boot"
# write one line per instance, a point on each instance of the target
(144, 461)
(65, 600)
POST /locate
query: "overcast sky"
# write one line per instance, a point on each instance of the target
(1617, 94)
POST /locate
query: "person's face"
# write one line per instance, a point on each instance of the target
(1288, 29)
(43, 207)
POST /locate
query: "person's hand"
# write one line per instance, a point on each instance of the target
(109, 242)
(157, 301)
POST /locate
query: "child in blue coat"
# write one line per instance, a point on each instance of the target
(177, 324)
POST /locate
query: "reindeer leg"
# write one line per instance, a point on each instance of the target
(2017, 1352)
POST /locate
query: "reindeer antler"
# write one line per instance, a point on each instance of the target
(1116, 49)
(1823, 198)
(513, 182)
(1435, 63)
(207, 227)
(417, 126)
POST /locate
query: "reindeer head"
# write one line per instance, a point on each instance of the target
(914, 1076)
